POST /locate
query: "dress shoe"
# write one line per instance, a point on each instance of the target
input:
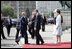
(42, 43)
(4, 38)
(17, 42)
(37, 44)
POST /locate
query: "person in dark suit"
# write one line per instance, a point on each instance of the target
(37, 27)
(31, 26)
(2, 33)
(8, 25)
(43, 22)
(24, 24)
(55, 20)
(18, 27)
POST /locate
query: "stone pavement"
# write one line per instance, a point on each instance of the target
(47, 36)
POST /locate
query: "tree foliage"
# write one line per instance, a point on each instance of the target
(27, 12)
(7, 10)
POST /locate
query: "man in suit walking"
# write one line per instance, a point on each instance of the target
(43, 22)
(8, 25)
(18, 27)
(24, 23)
(31, 26)
(37, 27)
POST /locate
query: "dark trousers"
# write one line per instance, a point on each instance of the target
(2, 33)
(17, 33)
(43, 27)
(31, 31)
(8, 30)
(38, 37)
(24, 35)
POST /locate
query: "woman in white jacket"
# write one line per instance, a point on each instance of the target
(58, 27)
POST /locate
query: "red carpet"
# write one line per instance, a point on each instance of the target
(49, 45)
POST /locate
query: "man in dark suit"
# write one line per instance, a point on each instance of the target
(43, 22)
(8, 25)
(55, 20)
(2, 33)
(24, 24)
(37, 27)
(18, 27)
(31, 29)
(31, 26)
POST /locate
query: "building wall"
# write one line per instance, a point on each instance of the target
(47, 6)
(66, 18)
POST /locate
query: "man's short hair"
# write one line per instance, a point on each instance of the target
(36, 10)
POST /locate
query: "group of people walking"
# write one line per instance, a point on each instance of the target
(34, 25)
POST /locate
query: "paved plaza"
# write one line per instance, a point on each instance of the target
(47, 36)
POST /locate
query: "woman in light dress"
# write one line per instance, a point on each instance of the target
(58, 27)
